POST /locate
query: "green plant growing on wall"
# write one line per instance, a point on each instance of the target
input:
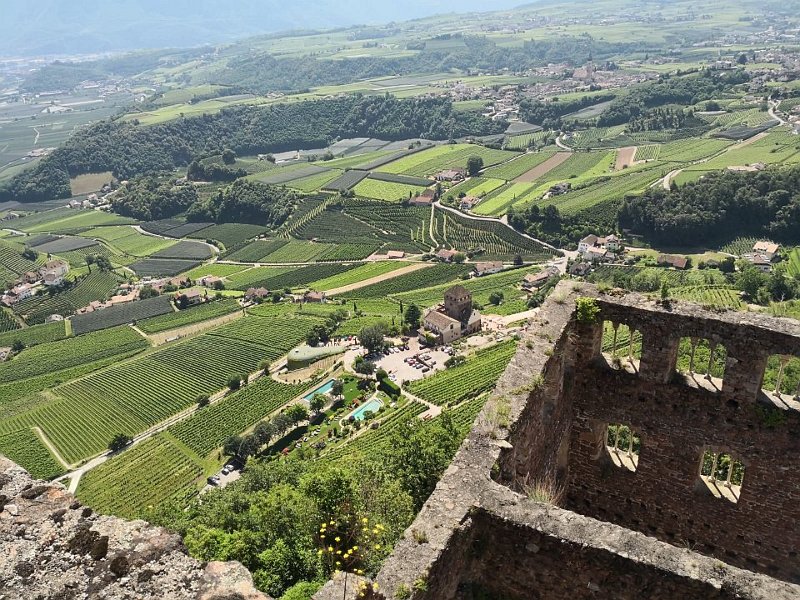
(587, 310)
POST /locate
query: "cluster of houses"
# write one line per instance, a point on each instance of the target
(595, 249)
(50, 274)
(764, 253)
(91, 201)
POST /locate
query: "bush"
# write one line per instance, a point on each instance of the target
(587, 310)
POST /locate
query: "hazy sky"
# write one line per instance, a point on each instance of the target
(86, 26)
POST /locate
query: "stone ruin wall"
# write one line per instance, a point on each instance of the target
(651, 533)
(656, 532)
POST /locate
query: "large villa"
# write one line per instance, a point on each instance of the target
(453, 319)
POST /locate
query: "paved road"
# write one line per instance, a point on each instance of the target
(771, 112)
(562, 145)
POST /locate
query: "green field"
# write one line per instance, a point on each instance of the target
(365, 271)
(127, 240)
(386, 190)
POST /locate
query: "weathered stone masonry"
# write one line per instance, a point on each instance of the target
(653, 533)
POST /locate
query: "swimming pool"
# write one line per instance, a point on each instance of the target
(374, 404)
(323, 389)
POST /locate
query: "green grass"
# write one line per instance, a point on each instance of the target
(385, 190)
(475, 377)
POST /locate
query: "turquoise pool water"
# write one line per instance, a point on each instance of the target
(323, 389)
(372, 405)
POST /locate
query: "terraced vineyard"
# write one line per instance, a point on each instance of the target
(493, 239)
(66, 353)
(255, 251)
(121, 314)
(7, 321)
(649, 152)
(208, 428)
(612, 188)
(739, 246)
(475, 377)
(623, 341)
(230, 234)
(481, 287)
(431, 161)
(287, 277)
(499, 201)
(360, 273)
(127, 240)
(157, 471)
(794, 262)
(526, 140)
(712, 296)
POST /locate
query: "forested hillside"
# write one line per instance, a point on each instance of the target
(128, 149)
(721, 206)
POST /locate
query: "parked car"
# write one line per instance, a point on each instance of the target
(213, 480)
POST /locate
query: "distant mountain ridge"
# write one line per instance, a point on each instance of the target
(89, 26)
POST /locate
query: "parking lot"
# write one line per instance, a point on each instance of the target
(395, 363)
(223, 479)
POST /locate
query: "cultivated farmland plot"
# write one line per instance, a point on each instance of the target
(186, 250)
(149, 475)
(393, 177)
(121, 314)
(347, 180)
(386, 190)
(162, 267)
(312, 183)
(284, 175)
(97, 285)
(230, 234)
(188, 316)
(64, 244)
(25, 448)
